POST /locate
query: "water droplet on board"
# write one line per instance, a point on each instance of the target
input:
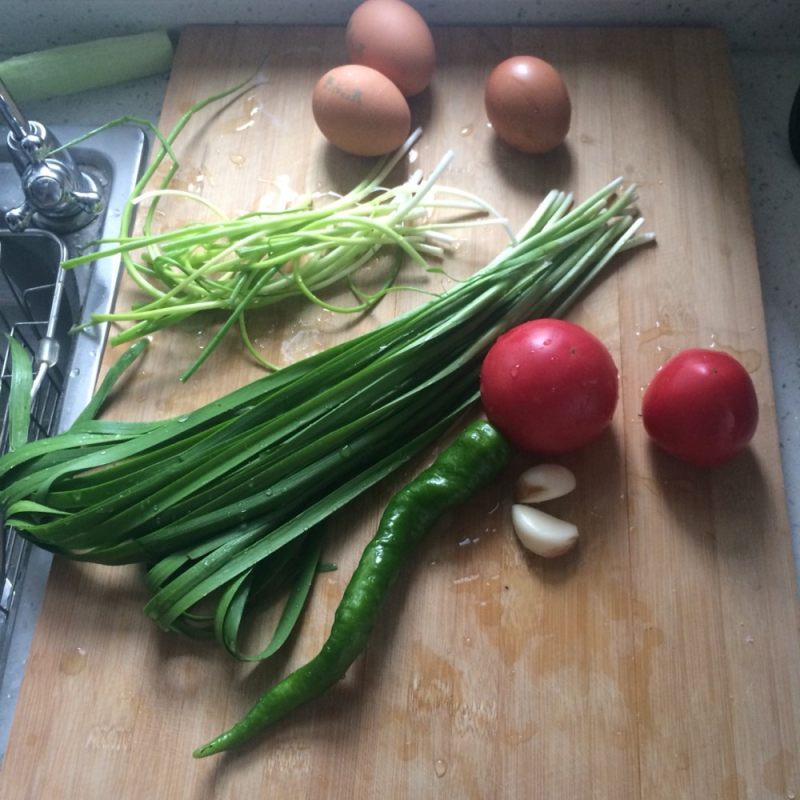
(237, 159)
(467, 130)
(195, 180)
(408, 749)
(303, 343)
(74, 372)
(251, 109)
(440, 767)
(72, 661)
(252, 106)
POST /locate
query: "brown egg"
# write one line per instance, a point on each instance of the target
(528, 104)
(360, 110)
(392, 37)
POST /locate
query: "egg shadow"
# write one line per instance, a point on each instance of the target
(530, 172)
(422, 108)
(344, 170)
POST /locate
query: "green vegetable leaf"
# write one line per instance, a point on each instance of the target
(19, 401)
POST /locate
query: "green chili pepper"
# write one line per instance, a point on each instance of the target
(476, 456)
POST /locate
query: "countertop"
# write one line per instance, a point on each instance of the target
(767, 81)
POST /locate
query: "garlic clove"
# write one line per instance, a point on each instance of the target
(544, 482)
(542, 533)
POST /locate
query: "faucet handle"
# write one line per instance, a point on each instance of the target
(19, 218)
(62, 196)
(90, 202)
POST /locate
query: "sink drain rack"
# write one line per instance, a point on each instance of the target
(30, 315)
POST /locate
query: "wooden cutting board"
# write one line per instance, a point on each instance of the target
(658, 660)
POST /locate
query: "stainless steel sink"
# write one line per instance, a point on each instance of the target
(33, 294)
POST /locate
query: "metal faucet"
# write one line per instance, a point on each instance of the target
(58, 195)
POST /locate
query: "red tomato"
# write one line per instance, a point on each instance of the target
(701, 407)
(549, 385)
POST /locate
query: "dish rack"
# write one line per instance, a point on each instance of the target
(32, 311)
(40, 303)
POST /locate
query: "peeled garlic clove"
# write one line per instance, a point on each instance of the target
(542, 533)
(544, 482)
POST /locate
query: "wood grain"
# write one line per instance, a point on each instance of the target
(658, 660)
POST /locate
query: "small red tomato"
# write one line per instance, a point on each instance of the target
(701, 407)
(549, 385)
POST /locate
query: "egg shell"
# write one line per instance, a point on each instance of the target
(528, 104)
(392, 37)
(360, 110)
